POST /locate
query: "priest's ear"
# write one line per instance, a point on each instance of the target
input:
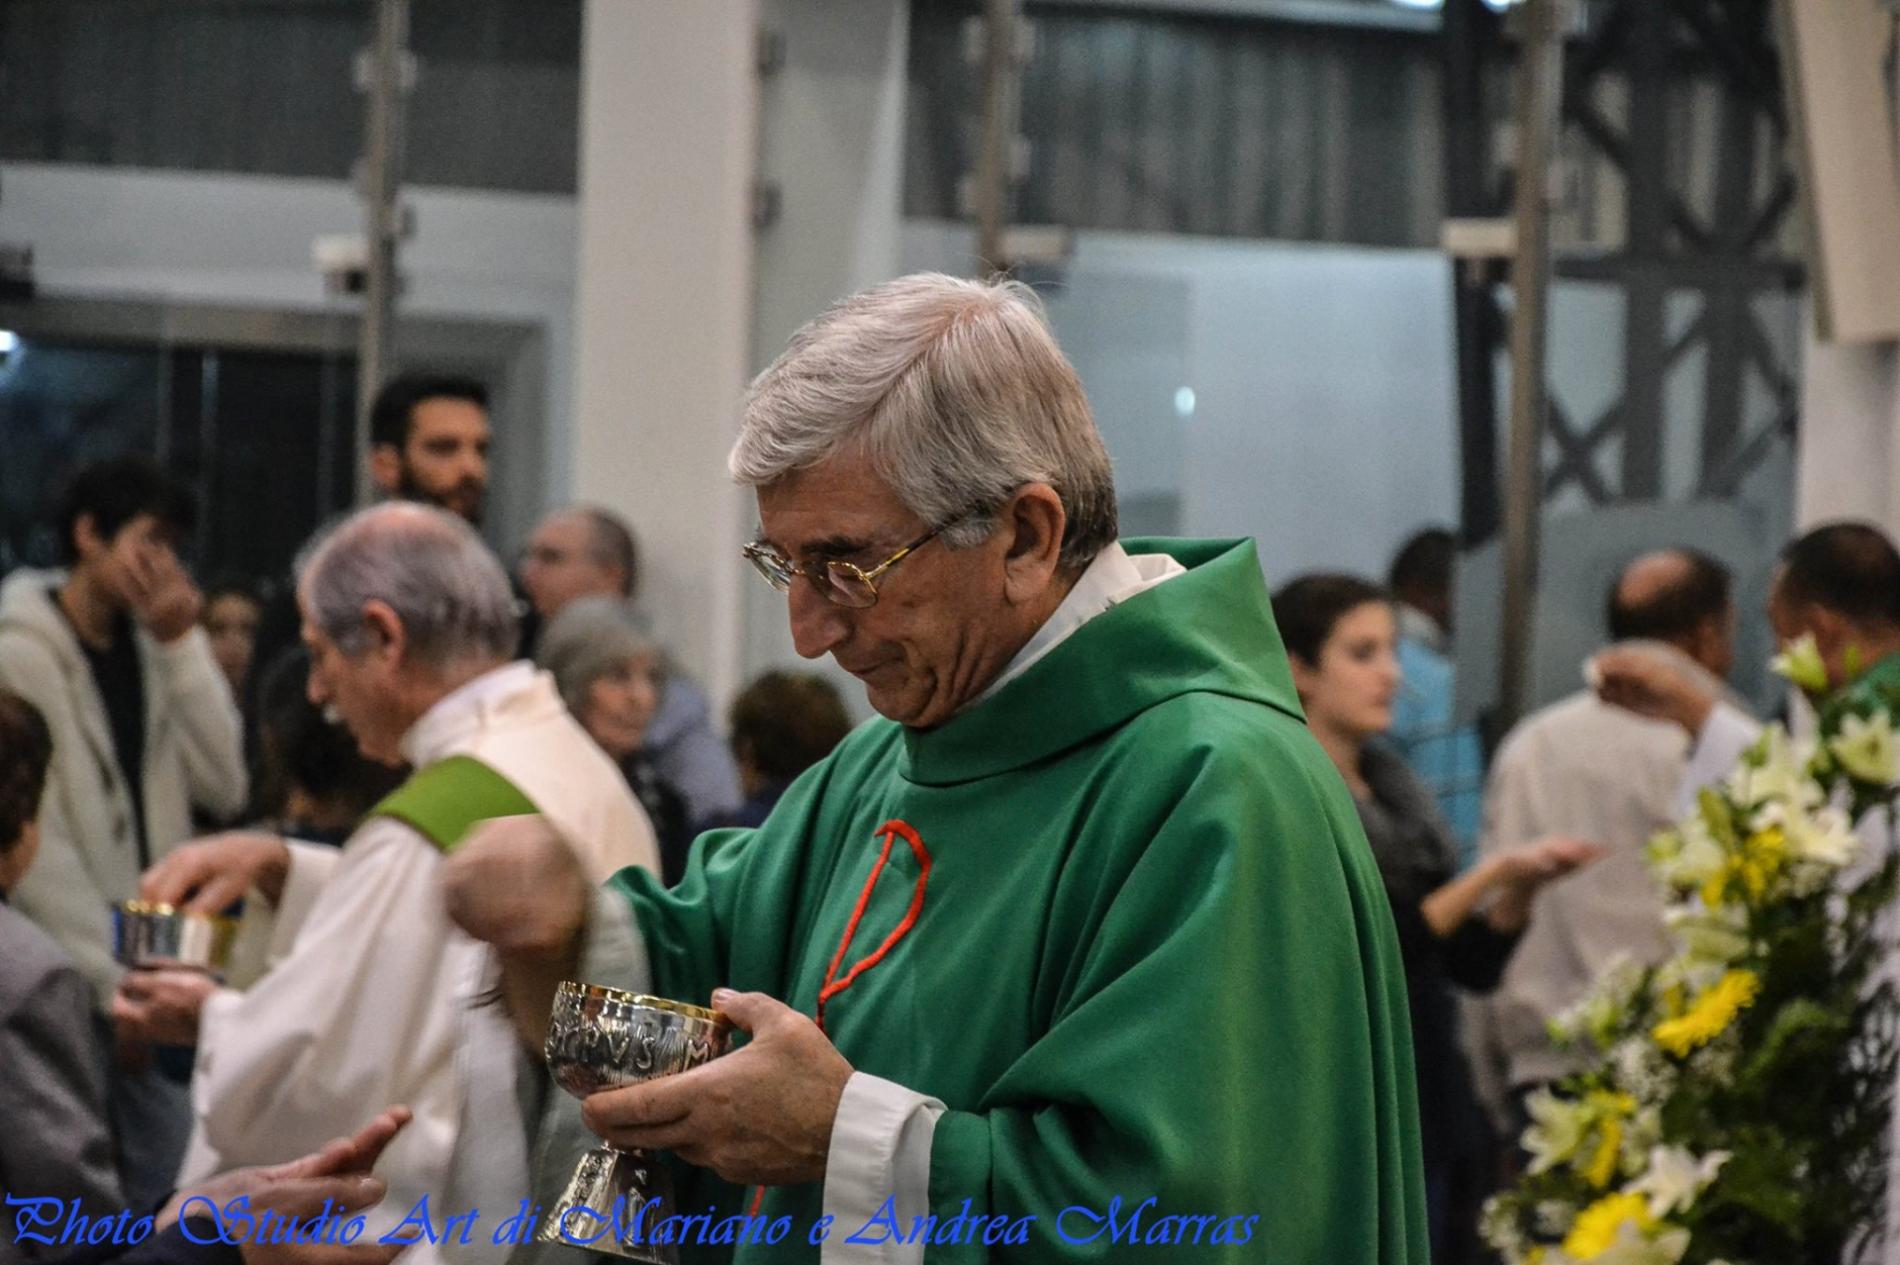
(1031, 526)
(388, 640)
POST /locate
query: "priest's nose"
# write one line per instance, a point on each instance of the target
(818, 626)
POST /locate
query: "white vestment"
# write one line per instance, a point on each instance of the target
(372, 995)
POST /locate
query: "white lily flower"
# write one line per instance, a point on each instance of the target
(1865, 748)
(1800, 662)
(1716, 936)
(1557, 1129)
(1675, 1177)
(1698, 859)
(1824, 837)
(1781, 775)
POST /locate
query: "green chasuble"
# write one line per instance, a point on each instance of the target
(1876, 689)
(1151, 959)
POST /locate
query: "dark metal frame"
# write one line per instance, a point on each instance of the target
(1728, 257)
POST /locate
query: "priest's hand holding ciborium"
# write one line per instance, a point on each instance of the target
(606, 1038)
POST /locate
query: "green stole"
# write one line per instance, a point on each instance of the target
(446, 800)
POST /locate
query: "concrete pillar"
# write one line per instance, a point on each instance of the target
(1848, 456)
(663, 309)
(832, 142)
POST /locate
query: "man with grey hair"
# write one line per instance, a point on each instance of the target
(1081, 949)
(586, 551)
(370, 996)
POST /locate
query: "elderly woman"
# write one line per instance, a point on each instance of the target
(608, 671)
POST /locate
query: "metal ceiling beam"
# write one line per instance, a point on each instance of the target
(1375, 15)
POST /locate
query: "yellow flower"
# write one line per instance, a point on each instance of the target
(1605, 1110)
(1753, 867)
(1596, 1227)
(1712, 1012)
(1602, 1165)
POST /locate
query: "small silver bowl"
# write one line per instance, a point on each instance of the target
(148, 934)
(604, 1038)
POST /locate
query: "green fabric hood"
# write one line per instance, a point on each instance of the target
(1210, 631)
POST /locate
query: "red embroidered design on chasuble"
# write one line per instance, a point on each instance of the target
(891, 831)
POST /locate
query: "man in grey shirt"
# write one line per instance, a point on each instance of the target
(1584, 768)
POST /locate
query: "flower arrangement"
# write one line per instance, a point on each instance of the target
(1736, 1108)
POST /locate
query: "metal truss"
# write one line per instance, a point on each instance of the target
(1719, 241)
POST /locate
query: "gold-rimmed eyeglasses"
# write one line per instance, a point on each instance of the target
(840, 583)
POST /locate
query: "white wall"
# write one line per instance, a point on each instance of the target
(194, 238)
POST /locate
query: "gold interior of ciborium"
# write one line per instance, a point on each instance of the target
(150, 932)
(574, 994)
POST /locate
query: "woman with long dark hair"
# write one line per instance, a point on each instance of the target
(1341, 638)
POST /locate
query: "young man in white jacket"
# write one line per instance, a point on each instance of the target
(144, 729)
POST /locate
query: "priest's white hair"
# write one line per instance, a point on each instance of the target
(957, 393)
(449, 591)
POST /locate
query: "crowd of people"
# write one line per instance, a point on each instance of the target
(154, 713)
(1103, 854)
(1496, 947)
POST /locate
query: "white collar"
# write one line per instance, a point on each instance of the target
(442, 729)
(1113, 577)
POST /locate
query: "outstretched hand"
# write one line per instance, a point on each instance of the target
(1522, 872)
(209, 875)
(337, 1173)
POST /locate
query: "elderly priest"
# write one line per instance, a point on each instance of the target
(372, 997)
(1087, 920)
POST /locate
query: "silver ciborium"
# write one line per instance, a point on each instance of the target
(148, 934)
(605, 1038)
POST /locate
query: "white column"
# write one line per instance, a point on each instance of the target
(1849, 447)
(832, 140)
(663, 308)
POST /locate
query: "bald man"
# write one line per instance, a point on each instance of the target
(1584, 768)
(1839, 584)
